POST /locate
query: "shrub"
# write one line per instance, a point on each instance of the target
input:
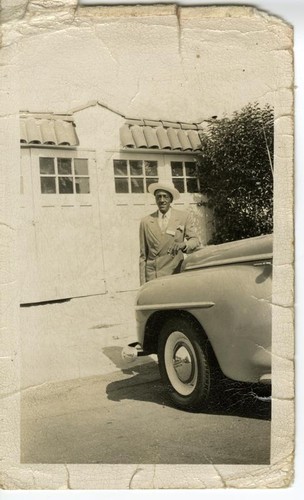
(236, 173)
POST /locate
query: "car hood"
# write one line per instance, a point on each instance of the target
(249, 249)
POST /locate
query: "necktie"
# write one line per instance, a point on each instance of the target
(163, 224)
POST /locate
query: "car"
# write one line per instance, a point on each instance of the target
(213, 316)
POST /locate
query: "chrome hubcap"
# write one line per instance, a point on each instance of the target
(183, 362)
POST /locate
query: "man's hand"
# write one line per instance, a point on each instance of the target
(176, 247)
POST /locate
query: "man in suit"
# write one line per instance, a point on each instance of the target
(164, 235)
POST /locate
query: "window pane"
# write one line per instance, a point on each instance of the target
(121, 186)
(81, 166)
(137, 185)
(48, 185)
(151, 168)
(82, 184)
(150, 181)
(177, 168)
(192, 186)
(179, 184)
(47, 166)
(65, 185)
(120, 168)
(136, 167)
(190, 169)
(64, 166)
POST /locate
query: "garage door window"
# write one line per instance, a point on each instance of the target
(184, 176)
(64, 175)
(134, 176)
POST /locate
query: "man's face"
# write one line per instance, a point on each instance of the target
(163, 200)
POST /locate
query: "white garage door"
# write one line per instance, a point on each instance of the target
(61, 241)
(132, 174)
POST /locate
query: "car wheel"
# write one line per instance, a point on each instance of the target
(183, 363)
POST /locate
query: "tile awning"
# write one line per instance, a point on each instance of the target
(154, 134)
(48, 129)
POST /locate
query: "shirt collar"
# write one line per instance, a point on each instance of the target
(167, 214)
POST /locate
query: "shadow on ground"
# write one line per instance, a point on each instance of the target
(227, 398)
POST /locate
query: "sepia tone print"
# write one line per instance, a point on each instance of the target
(147, 146)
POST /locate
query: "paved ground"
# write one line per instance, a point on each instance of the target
(65, 340)
(112, 412)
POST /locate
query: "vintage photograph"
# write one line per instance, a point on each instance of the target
(154, 261)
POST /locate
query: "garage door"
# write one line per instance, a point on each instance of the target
(61, 240)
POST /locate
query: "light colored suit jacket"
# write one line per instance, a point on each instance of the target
(154, 260)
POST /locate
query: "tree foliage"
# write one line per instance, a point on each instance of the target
(236, 173)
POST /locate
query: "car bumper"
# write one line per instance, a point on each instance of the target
(132, 351)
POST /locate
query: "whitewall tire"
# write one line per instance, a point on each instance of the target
(183, 363)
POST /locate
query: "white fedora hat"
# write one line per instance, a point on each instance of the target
(164, 186)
